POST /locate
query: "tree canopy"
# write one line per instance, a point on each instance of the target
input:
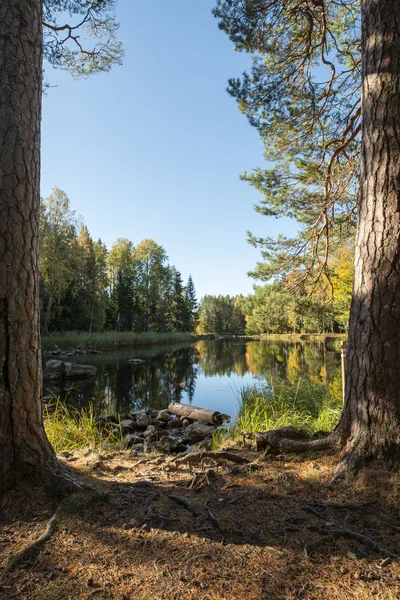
(64, 24)
(303, 95)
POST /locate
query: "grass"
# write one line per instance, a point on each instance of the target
(307, 405)
(71, 429)
(110, 339)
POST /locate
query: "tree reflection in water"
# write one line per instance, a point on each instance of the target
(171, 373)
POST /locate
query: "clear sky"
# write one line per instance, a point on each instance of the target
(154, 148)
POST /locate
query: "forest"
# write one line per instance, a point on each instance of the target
(86, 287)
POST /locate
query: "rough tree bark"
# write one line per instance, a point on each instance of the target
(370, 424)
(24, 449)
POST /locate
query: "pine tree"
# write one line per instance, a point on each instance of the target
(192, 306)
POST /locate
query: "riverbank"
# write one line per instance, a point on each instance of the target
(303, 337)
(105, 340)
(208, 529)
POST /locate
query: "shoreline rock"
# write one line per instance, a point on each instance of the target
(59, 370)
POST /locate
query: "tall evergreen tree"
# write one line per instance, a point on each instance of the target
(24, 449)
(299, 43)
(192, 305)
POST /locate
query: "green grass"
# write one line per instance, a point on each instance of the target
(307, 405)
(71, 429)
(110, 339)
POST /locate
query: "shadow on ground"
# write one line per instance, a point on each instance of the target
(272, 530)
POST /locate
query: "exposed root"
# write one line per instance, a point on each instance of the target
(292, 439)
(197, 458)
(31, 551)
(356, 536)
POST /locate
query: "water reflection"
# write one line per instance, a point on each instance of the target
(206, 373)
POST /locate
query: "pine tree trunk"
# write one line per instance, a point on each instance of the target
(370, 424)
(24, 449)
(371, 420)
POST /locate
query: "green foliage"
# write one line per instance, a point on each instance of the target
(303, 95)
(191, 306)
(266, 310)
(304, 404)
(274, 308)
(58, 253)
(221, 315)
(85, 287)
(80, 36)
(71, 429)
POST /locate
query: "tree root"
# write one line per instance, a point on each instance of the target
(292, 439)
(354, 535)
(61, 482)
(31, 551)
(197, 457)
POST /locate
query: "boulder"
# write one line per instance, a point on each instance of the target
(127, 426)
(158, 424)
(203, 445)
(174, 424)
(133, 440)
(167, 444)
(199, 431)
(58, 369)
(151, 433)
(142, 420)
(164, 415)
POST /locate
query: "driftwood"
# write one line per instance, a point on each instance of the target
(214, 417)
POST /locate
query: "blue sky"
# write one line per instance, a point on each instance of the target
(154, 148)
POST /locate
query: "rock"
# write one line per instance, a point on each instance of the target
(164, 415)
(133, 440)
(203, 445)
(151, 433)
(174, 424)
(199, 431)
(142, 420)
(127, 425)
(158, 424)
(136, 361)
(137, 448)
(167, 444)
(58, 369)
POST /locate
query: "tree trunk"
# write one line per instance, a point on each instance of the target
(370, 424)
(371, 420)
(24, 449)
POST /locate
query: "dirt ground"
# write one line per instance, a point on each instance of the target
(270, 529)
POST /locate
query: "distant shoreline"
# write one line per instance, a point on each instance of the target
(107, 340)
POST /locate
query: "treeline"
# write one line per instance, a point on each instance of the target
(84, 286)
(276, 308)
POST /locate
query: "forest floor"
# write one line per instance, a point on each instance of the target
(271, 529)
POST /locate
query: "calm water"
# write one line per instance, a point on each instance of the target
(207, 373)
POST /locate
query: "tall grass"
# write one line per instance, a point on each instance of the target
(71, 429)
(307, 405)
(110, 339)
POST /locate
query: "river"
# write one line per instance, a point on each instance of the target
(207, 373)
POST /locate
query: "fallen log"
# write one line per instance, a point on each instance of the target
(196, 413)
